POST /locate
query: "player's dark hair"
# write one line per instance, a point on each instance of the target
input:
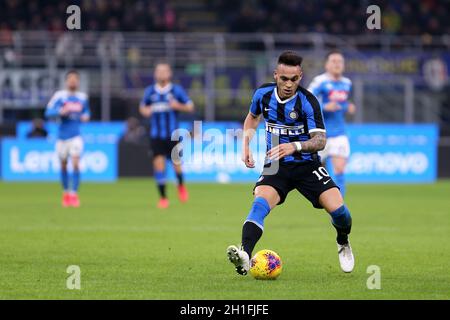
(72, 71)
(290, 58)
(334, 51)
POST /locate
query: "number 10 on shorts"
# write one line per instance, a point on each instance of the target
(320, 173)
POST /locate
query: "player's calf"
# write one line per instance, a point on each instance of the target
(254, 224)
(251, 233)
(160, 178)
(342, 222)
(341, 219)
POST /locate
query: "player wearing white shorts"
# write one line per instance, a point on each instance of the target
(333, 90)
(70, 107)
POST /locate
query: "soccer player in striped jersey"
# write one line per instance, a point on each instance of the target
(333, 91)
(71, 108)
(161, 103)
(295, 132)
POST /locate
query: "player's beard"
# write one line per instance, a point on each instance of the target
(285, 93)
(72, 88)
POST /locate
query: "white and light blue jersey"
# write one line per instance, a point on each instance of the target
(78, 105)
(328, 90)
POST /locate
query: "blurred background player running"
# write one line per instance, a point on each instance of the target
(333, 90)
(71, 108)
(161, 103)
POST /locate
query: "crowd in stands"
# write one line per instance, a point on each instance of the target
(101, 15)
(413, 17)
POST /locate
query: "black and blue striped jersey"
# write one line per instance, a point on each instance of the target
(164, 119)
(290, 120)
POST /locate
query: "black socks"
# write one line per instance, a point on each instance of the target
(180, 179)
(162, 190)
(251, 233)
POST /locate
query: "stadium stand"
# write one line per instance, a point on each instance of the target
(425, 18)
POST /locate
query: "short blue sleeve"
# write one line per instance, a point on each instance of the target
(181, 95)
(86, 109)
(255, 105)
(146, 99)
(53, 107)
(315, 87)
(313, 114)
(350, 92)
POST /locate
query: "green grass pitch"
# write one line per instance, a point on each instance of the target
(127, 249)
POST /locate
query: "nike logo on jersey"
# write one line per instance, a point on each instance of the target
(325, 182)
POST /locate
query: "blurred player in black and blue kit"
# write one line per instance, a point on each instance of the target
(295, 132)
(71, 108)
(161, 103)
(333, 91)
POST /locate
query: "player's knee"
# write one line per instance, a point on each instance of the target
(331, 200)
(268, 193)
(159, 163)
(76, 164)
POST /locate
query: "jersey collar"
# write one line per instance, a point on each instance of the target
(163, 90)
(330, 77)
(284, 101)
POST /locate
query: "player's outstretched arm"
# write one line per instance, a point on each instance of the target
(250, 124)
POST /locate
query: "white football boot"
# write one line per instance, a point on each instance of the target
(346, 259)
(239, 258)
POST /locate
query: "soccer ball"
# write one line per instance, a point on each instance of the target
(265, 265)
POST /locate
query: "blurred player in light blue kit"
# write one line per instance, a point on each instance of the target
(70, 107)
(333, 91)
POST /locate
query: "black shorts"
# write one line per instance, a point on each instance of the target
(310, 179)
(163, 147)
